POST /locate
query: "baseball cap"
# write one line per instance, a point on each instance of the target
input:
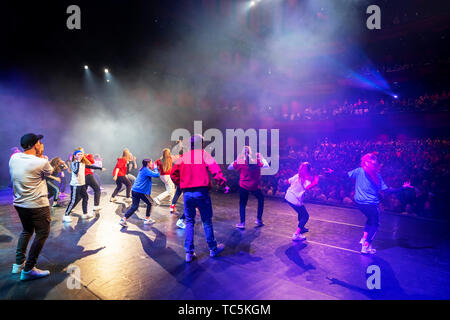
(28, 140)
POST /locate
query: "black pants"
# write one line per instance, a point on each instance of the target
(137, 197)
(122, 180)
(302, 214)
(177, 195)
(77, 193)
(372, 212)
(91, 182)
(53, 190)
(33, 220)
(243, 199)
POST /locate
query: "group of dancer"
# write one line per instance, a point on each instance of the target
(188, 173)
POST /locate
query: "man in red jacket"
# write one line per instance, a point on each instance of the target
(191, 172)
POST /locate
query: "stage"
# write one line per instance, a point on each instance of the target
(147, 261)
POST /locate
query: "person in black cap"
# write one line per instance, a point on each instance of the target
(28, 171)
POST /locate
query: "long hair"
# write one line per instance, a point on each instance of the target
(145, 163)
(166, 160)
(304, 172)
(370, 165)
(126, 154)
(55, 163)
(247, 155)
(83, 160)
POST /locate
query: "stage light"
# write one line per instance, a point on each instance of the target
(252, 3)
(395, 96)
(86, 67)
(107, 80)
(106, 70)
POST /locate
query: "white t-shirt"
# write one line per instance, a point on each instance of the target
(28, 174)
(296, 191)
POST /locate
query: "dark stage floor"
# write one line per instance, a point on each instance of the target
(147, 262)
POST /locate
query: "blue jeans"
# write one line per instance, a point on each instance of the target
(198, 198)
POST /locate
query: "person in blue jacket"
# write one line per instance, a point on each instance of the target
(141, 190)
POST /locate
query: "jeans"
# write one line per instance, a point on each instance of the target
(372, 212)
(137, 197)
(33, 220)
(91, 182)
(243, 199)
(122, 180)
(77, 193)
(198, 198)
(302, 214)
(178, 193)
(53, 190)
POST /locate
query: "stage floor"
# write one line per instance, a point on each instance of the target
(147, 262)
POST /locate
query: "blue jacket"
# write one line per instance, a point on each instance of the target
(143, 183)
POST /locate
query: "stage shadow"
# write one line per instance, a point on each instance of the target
(289, 254)
(390, 286)
(56, 256)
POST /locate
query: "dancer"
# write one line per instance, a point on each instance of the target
(165, 164)
(90, 179)
(368, 184)
(142, 189)
(191, 172)
(303, 181)
(53, 189)
(131, 164)
(28, 171)
(78, 185)
(249, 168)
(119, 176)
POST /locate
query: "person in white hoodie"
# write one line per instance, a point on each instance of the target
(299, 184)
(78, 186)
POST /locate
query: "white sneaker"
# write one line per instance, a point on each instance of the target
(87, 216)
(113, 199)
(259, 223)
(33, 274)
(149, 221)
(17, 268)
(123, 222)
(367, 249)
(298, 237)
(181, 224)
(241, 225)
(215, 252)
(98, 208)
(362, 241)
(190, 256)
(157, 201)
(67, 219)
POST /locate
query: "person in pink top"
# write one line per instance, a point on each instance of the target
(249, 168)
(192, 173)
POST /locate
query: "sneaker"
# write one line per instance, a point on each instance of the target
(298, 237)
(156, 200)
(123, 222)
(113, 199)
(241, 225)
(97, 208)
(304, 230)
(67, 219)
(33, 274)
(181, 224)
(217, 250)
(259, 223)
(149, 221)
(87, 216)
(190, 256)
(172, 208)
(362, 241)
(17, 268)
(367, 249)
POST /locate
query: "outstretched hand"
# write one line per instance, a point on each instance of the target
(103, 169)
(407, 184)
(227, 189)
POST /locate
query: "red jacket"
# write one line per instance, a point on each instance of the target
(122, 166)
(192, 170)
(250, 176)
(87, 171)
